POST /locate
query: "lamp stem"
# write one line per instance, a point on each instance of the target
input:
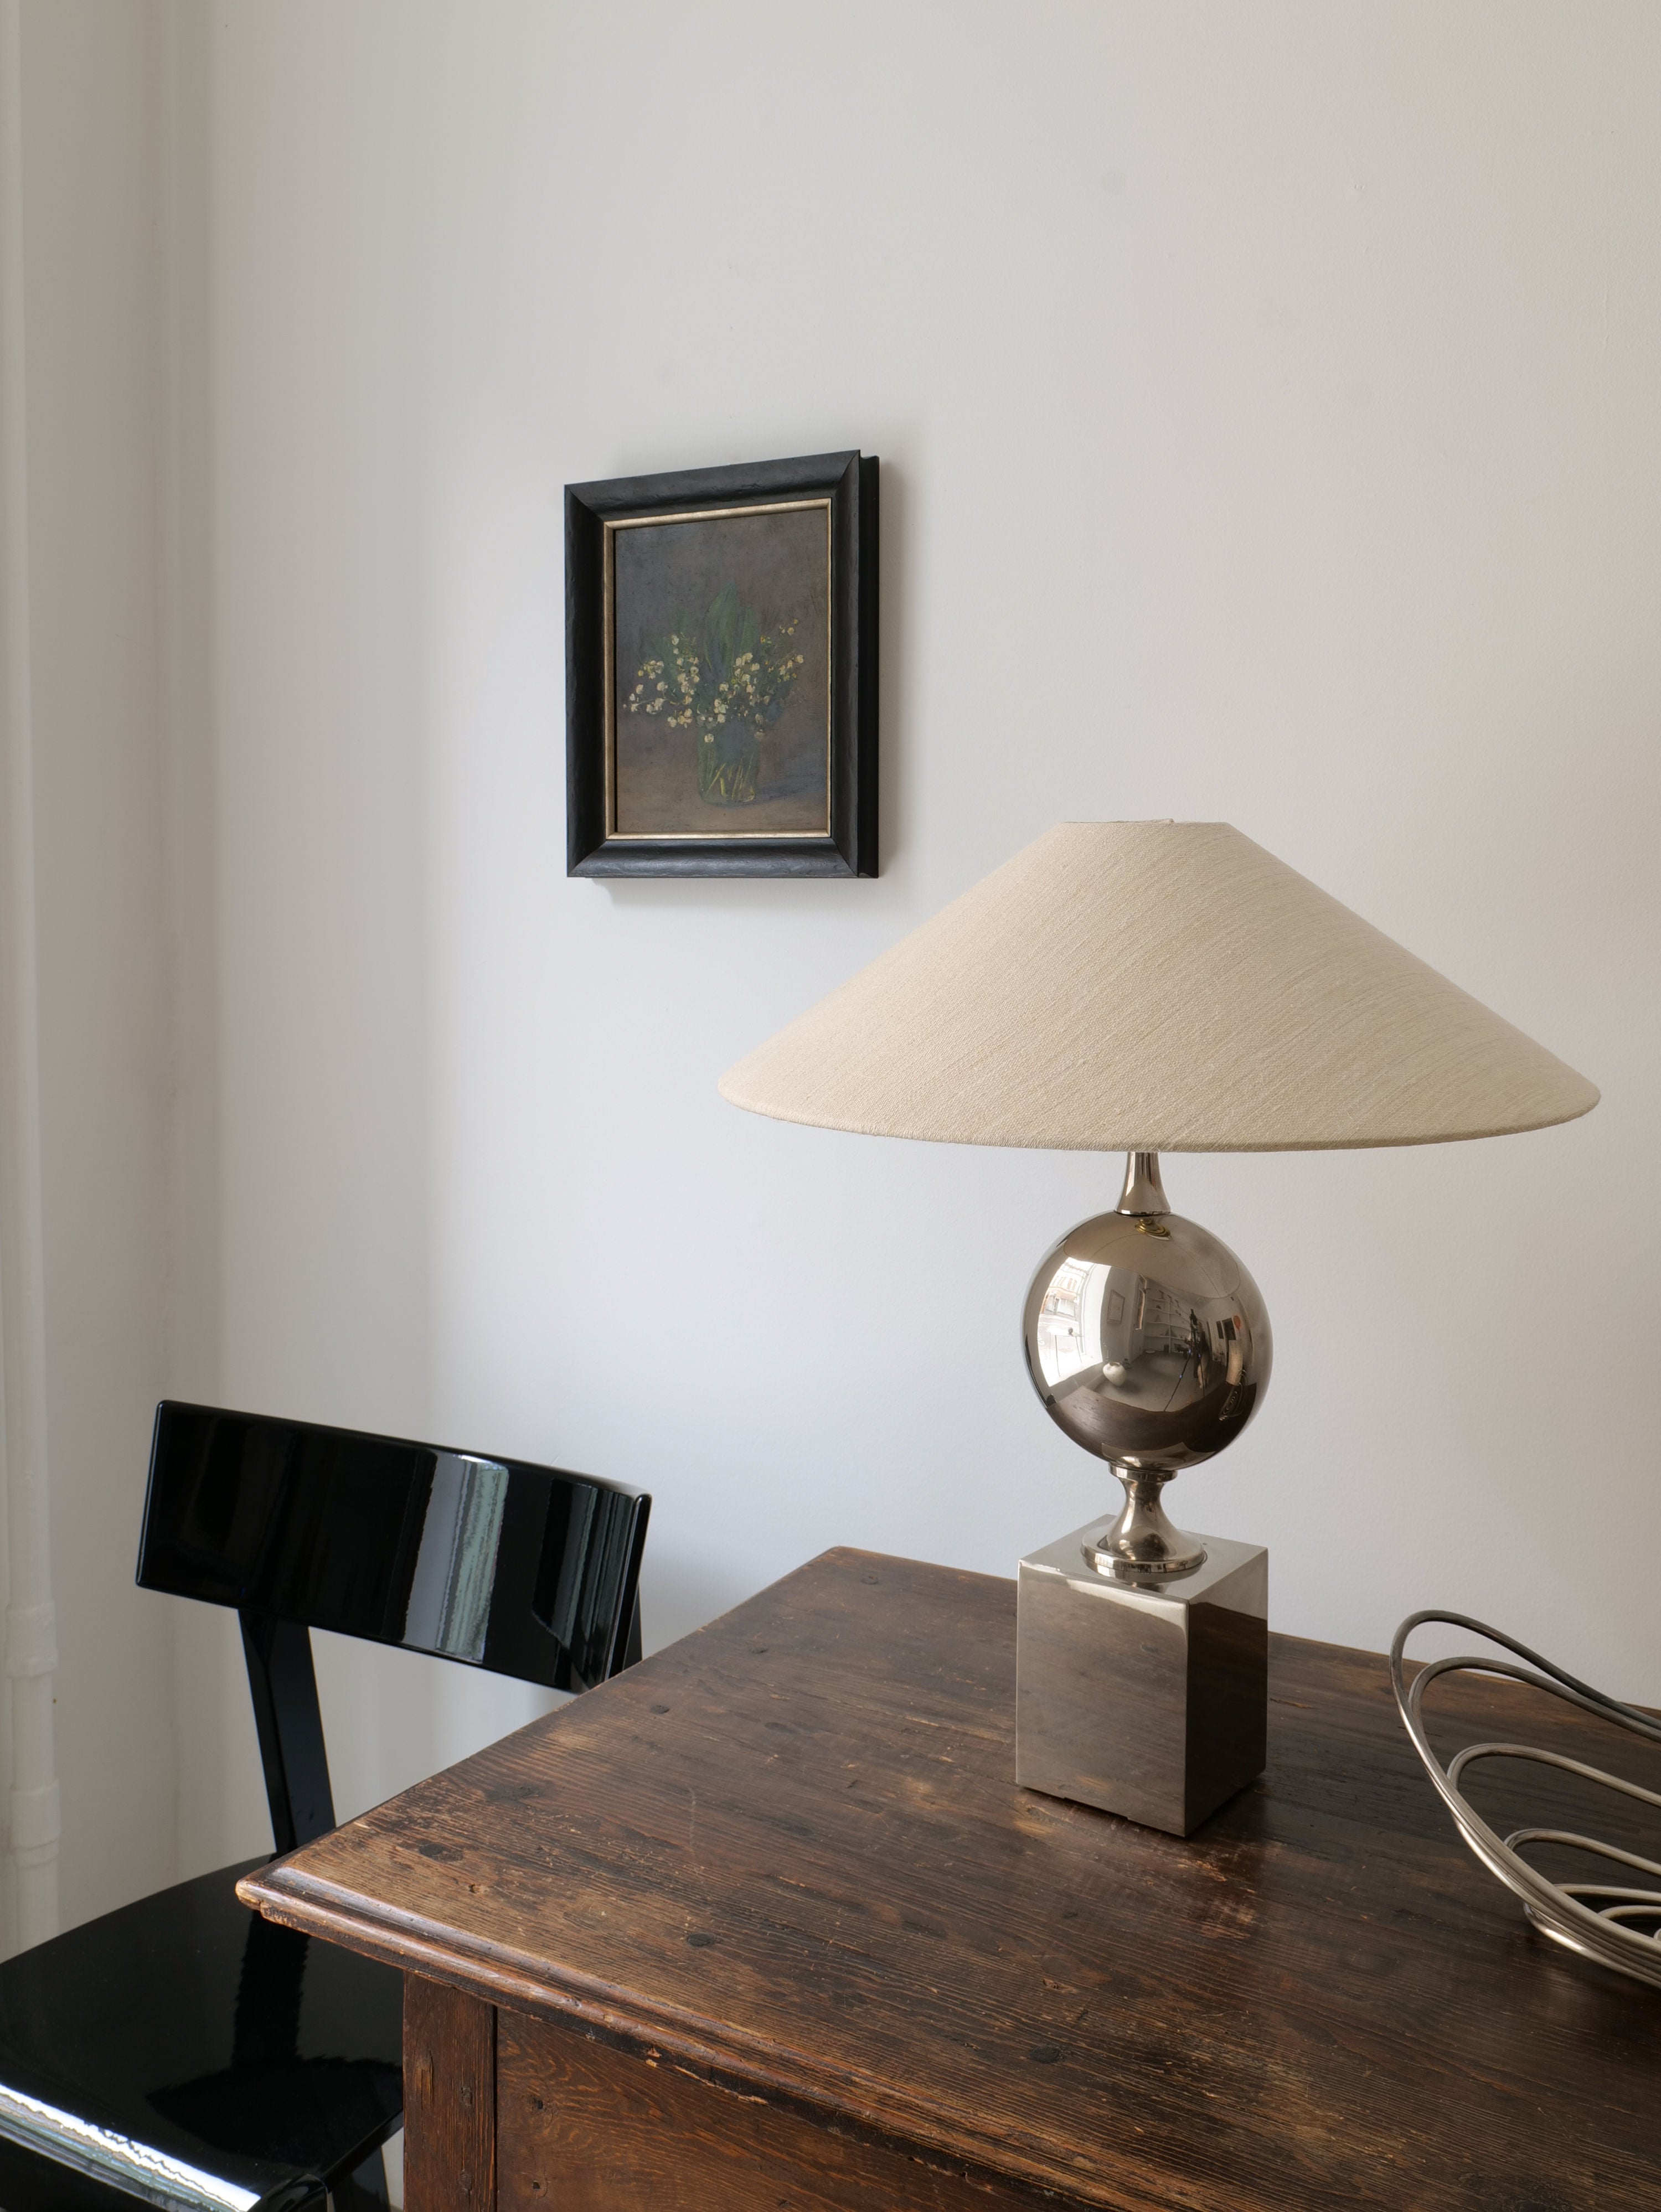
(1143, 1191)
(1143, 1540)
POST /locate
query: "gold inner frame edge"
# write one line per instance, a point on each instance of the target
(608, 625)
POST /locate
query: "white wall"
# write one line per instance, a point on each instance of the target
(1266, 399)
(91, 157)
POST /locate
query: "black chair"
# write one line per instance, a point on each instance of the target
(182, 2052)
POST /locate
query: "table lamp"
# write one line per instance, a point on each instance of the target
(1150, 988)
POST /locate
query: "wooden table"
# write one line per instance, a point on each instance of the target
(765, 1922)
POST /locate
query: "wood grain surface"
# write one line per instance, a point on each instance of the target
(449, 2100)
(788, 1856)
(587, 2128)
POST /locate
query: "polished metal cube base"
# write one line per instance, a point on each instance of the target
(1146, 1697)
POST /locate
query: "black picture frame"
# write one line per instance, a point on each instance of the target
(846, 483)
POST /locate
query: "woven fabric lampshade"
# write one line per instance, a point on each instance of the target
(1150, 987)
(1155, 987)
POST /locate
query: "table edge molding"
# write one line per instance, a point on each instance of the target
(841, 2099)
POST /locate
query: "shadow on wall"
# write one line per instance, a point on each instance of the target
(220, 1812)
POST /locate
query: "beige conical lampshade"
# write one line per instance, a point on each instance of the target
(1154, 986)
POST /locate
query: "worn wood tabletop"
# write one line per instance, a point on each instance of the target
(788, 1855)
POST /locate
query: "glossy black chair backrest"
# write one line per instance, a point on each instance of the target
(521, 1570)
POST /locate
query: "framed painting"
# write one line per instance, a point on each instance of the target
(720, 670)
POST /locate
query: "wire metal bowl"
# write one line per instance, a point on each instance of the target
(1614, 1922)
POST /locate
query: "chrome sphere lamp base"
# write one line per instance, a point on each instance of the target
(1141, 1652)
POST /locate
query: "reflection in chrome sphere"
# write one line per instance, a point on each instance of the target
(1147, 1340)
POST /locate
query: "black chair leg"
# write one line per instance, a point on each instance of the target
(364, 2191)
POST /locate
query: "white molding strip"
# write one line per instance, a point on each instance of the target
(31, 1634)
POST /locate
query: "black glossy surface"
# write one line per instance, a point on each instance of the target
(184, 2028)
(288, 1721)
(190, 2025)
(27, 2185)
(522, 1569)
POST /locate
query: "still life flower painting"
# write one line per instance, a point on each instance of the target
(721, 674)
(720, 670)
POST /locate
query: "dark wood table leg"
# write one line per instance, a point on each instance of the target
(449, 2100)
